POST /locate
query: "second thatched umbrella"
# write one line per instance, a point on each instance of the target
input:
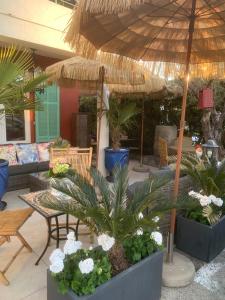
(91, 75)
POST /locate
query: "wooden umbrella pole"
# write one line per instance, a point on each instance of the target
(101, 92)
(181, 131)
(142, 130)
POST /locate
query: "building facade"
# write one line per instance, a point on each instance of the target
(39, 25)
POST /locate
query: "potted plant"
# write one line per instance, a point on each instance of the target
(200, 231)
(127, 264)
(119, 117)
(13, 94)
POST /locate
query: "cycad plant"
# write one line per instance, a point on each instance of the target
(208, 178)
(106, 209)
(14, 88)
(207, 175)
(120, 116)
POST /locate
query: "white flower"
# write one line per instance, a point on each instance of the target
(204, 201)
(157, 237)
(195, 195)
(71, 236)
(140, 216)
(56, 255)
(86, 266)
(216, 201)
(155, 219)
(71, 247)
(57, 266)
(106, 242)
(139, 231)
(91, 248)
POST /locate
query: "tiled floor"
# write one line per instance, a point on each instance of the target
(28, 282)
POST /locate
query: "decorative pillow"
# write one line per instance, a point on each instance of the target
(27, 153)
(8, 152)
(43, 151)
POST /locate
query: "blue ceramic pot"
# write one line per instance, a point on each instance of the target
(116, 158)
(4, 174)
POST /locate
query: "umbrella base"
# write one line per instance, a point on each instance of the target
(179, 273)
(141, 168)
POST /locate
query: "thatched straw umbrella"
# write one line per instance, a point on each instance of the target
(187, 37)
(91, 75)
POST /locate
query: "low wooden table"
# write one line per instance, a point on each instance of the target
(32, 200)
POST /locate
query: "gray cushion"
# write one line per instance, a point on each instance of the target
(23, 169)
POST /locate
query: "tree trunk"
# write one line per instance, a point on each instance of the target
(212, 126)
(118, 259)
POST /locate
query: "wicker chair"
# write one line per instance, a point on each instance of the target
(10, 223)
(163, 153)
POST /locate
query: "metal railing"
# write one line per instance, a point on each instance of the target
(66, 3)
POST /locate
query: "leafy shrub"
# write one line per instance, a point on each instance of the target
(140, 246)
(83, 284)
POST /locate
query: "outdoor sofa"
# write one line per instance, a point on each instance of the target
(24, 159)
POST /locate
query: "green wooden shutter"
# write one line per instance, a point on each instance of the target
(48, 121)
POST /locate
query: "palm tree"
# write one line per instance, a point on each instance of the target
(119, 117)
(14, 88)
(105, 208)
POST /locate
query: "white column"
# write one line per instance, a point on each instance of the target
(104, 131)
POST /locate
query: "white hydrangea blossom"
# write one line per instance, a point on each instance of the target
(157, 237)
(106, 242)
(140, 216)
(56, 255)
(205, 201)
(71, 247)
(156, 219)
(139, 231)
(86, 266)
(216, 201)
(57, 266)
(71, 236)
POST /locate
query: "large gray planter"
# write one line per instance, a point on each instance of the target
(201, 241)
(142, 281)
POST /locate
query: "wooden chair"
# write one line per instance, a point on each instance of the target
(58, 154)
(163, 153)
(80, 160)
(10, 223)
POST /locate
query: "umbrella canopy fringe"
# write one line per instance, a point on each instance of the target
(109, 7)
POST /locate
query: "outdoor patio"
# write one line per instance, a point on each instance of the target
(28, 282)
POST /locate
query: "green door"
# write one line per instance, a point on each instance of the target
(47, 121)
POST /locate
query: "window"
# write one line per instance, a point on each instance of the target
(66, 3)
(15, 127)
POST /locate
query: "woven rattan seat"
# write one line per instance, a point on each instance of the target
(10, 223)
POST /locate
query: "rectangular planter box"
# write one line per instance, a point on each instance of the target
(201, 241)
(142, 281)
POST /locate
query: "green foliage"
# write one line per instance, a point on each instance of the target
(14, 87)
(105, 208)
(83, 284)
(120, 116)
(59, 143)
(205, 174)
(138, 247)
(59, 170)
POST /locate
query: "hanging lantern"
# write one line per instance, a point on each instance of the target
(206, 99)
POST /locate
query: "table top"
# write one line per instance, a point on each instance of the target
(32, 199)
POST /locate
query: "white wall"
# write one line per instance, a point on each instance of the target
(38, 23)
